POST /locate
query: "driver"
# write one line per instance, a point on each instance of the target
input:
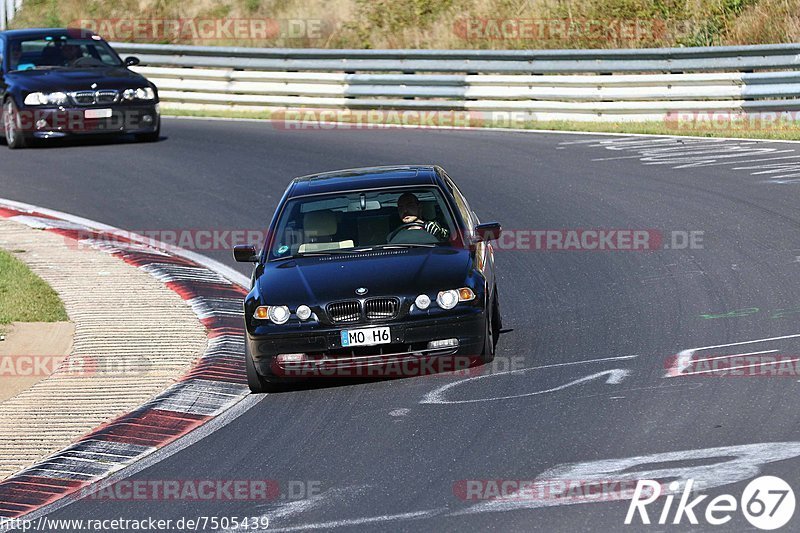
(70, 53)
(15, 53)
(409, 209)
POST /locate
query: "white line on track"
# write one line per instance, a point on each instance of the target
(211, 264)
(684, 358)
(361, 521)
(733, 355)
(436, 396)
(713, 370)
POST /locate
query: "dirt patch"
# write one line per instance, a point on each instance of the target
(30, 353)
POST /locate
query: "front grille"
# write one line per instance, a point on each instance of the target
(83, 97)
(344, 312)
(107, 96)
(381, 308)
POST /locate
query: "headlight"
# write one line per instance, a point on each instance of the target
(422, 301)
(447, 299)
(279, 314)
(304, 312)
(145, 94)
(129, 94)
(57, 98)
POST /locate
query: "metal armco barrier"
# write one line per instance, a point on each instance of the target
(591, 85)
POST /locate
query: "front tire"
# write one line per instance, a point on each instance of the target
(488, 342)
(497, 319)
(15, 138)
(257, 383)
(254, 381)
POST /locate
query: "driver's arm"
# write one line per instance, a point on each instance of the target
(436, 230)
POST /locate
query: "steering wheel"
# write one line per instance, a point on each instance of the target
(403, 227)
(85, 61)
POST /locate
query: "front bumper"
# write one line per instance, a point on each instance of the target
(408, 349)
(64, 121)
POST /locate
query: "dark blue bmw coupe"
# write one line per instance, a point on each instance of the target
(59, 82)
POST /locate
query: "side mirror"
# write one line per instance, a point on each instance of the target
(489, 231)
(245, 254)
(131, 61)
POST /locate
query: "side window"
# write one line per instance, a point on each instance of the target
(2, 55)
(462, 205)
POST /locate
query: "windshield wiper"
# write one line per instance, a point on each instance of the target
(312, 254)
(350, 251)
(406, 245)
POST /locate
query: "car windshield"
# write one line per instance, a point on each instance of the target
(43, 52)
(354, 221)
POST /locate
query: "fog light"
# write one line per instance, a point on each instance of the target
(147, 119)
(443, 343)
(304, 312)
(41, 124)
(290, 357)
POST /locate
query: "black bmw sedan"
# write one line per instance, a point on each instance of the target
(59, 82)
(366, 269)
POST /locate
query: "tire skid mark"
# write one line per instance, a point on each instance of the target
(693, 152)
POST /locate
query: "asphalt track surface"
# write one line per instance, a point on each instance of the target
(379, 457)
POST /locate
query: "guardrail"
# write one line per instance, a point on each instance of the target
(597, 85)
(8, 8)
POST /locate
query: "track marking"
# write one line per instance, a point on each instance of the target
(692, 153)
(361, 521)
(684, 358)
(734, 355)
(436, 396)
(766, 363)
(731, 464)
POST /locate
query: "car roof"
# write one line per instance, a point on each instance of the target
(55, 32)
(365, 178)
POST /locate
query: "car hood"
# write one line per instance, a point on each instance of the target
(314, 280)
(76, 79)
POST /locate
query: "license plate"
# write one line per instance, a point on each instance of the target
(366, 336)
(97, 113)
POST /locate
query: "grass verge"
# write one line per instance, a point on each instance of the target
(25, 297)
(783, 131)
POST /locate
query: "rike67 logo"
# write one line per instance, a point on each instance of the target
(767, 502)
